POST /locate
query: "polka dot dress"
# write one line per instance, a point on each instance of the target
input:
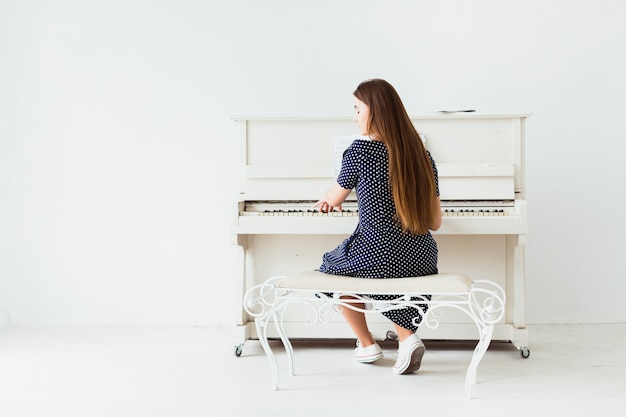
(378, 248)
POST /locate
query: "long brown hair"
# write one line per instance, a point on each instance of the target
(411, 175)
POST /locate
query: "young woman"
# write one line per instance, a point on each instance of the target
(396, 183)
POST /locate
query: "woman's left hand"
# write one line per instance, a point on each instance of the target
(325, 207)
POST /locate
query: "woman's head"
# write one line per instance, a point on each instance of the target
(383, 107)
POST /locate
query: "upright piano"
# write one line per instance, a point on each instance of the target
(286, 164)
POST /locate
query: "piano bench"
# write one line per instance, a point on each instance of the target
(483, 301)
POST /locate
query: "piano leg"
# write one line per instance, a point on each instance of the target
(516, 282)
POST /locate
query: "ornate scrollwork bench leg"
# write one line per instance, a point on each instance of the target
(485, 306)
(265, 303)
(483, 301)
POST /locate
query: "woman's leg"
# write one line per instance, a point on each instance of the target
(402, 332)
(358, 324)
(406, 320)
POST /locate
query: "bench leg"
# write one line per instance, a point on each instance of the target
(261, 324)
(286, 343)
(486, 333)
(261, 327)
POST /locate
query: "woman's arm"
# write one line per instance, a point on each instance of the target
(334, 197)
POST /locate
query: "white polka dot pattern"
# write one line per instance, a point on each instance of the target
(378, 248)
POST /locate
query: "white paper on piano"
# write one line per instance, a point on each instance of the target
(341, 144)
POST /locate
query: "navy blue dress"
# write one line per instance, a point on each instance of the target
(379, 248)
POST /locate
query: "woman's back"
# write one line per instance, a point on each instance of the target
(378, 248)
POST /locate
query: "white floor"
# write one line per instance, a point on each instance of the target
(193, 372)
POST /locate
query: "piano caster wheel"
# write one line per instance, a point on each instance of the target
(391, 335)
(238, 350)
(524, 352)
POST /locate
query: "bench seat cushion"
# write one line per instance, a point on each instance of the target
(321, 282)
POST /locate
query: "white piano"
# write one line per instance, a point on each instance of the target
(287, 163)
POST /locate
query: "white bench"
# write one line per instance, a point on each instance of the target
(483, 301)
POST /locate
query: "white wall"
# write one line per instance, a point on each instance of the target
(117, 153)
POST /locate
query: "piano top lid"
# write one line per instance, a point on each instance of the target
(434, 115)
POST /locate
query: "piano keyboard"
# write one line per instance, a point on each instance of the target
(303, 209)
(302, 213)
(471, 212)
(355, 213)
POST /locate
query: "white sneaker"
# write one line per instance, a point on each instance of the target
(410, 352)
(367, 354)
